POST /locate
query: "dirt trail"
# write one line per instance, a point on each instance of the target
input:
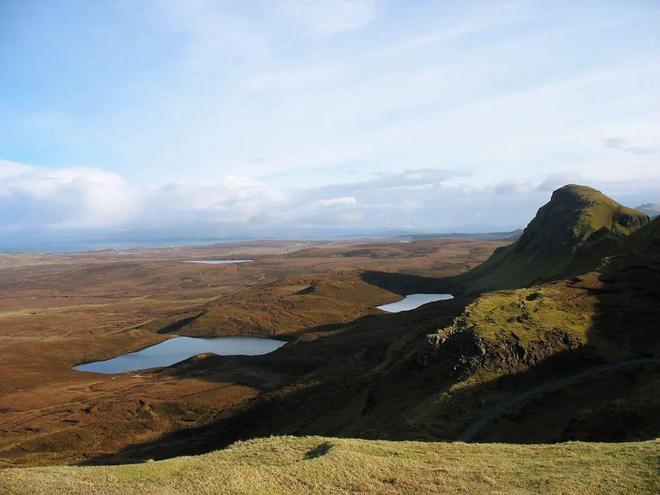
(471, 432)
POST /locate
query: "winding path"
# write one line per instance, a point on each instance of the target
(469, 434)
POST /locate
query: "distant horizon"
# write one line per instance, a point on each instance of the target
(118, 243)
(75, 242)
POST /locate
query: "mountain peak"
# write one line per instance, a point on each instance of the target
(577, 195)
(578, 212)
(576, 189)
(570, 234)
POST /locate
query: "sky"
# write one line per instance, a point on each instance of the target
(168, 119)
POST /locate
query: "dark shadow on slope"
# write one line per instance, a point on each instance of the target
(318, 451)
(404, 284)
(366, 379)
(332, 377)
(621, 405)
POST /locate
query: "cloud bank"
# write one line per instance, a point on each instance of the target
(37, 203)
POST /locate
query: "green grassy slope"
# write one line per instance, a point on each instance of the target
(569, 235)
(512, 340)
(508, 341)
(317, 465)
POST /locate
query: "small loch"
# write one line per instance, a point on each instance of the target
(414, 301)
(217, 262)
(177, 349)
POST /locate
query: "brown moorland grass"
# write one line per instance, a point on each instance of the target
(321, 465)
(57, 310)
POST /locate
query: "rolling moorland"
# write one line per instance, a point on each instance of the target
(552, 338)
(60, 310)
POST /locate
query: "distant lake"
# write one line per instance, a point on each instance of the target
(217, 262)
(179, 348)
(413, 301)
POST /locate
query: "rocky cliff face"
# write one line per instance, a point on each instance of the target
(470, 351)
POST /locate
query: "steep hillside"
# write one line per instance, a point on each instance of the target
(317, 465)
(570, 234)
(646, 241)
(508, 342)
(489, 350)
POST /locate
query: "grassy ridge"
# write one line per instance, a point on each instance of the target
(283, 465)
(571, 234)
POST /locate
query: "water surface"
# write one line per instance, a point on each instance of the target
(179, 348)
(413, 301)
(217, 262)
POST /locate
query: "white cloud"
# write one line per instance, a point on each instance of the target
(625, 146)
(351, 216)
(327, 17)
(555, 181)
(346, 200)
(512, 186)
(35, 202)
(65, 198)
(410, 205)
(88, 198)
(11, 169)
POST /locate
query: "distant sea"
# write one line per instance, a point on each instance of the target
(39, 243)
(81, 246)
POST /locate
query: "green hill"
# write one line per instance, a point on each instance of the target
(318, 465)
(570, 234)
(406, 380)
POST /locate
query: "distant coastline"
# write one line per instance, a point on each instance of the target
(52, 246)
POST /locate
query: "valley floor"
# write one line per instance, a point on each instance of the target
(320, 465)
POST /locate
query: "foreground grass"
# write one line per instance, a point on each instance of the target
(280, 465)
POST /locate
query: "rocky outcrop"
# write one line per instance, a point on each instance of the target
(465, 351)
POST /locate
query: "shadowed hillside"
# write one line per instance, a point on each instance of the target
(647, 240)
(430, 373)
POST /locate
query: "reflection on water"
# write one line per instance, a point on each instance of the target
(179, 348)
(413, 301)
(217, 262)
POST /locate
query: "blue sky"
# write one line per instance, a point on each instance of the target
(213, 117)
